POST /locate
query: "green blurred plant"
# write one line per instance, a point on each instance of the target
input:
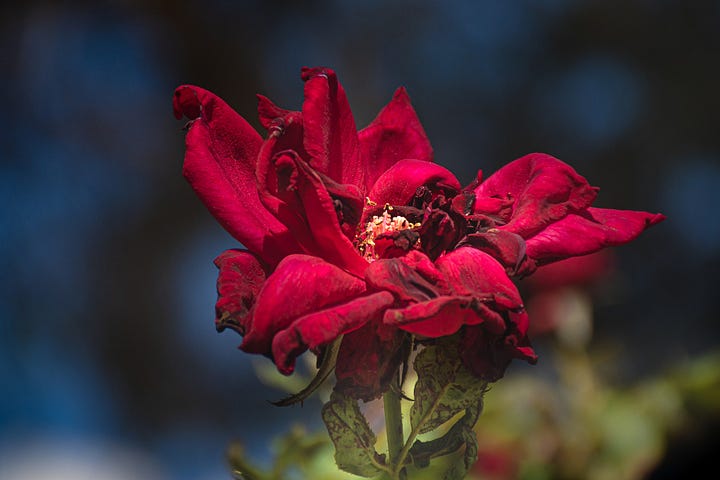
(572, 422)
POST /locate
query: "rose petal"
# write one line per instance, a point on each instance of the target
(330, 132)
(368, 360)
(544, 190)
(300, 285)
(296, 194)
(444, 315)
(472, 272)
(240, 278)
(319, 209)
(412, 278)
(220, 161)
(506, 247)
(397, 185)
(488, 355)
(581, 234)
(271, 116)
(440, 231)
(321, 327)
(395, 134)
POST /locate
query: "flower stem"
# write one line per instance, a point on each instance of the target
(394, 429)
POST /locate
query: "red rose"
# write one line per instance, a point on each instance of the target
(543, 201)
(360, 234)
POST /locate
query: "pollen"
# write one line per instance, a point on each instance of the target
(379, 225)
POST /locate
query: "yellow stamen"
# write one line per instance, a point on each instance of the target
(365, 240)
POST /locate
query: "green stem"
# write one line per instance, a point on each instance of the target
(394, 429)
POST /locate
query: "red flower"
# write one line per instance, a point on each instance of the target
(360, 234)
(537, 210)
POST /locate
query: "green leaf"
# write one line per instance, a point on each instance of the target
(354, 440)
(444, 387)
(459, 469)
(421, 452)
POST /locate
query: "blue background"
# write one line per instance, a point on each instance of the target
(107, 284)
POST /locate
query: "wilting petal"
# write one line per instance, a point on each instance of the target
(471, 272)
(240, 278)
(271, 116)
(543, 188)
(506, 247)
(412, 278)
(588, 232)
(321, 327)
(444, 315)
(368, 360)
(488, 356)
(395, 244)
(395, 134)
(348, 202)
(330, 133)
(300, 285)
(398, 184)
(440, 231)
(296, 194)
(322, 217)
(220, 161)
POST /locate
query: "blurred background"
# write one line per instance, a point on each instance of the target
(110, 366)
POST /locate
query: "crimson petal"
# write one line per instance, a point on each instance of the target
(220, 159)
(444, 315)
(395, 134)
(330, 132)
(398, 184)
(588, 232)
(240, 278)
(368, 360)
(296, 194)
(407, 280)
(488, 355)
(472, 272)
(318, 328)
(300, 285)
(506, 247)
(544, 190)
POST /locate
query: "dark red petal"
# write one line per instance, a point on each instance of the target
(396, 244)
(412, 278)
(319, 209)
(300, 285)
(220, 161)
(397, 185)
(444, 315)
(368, 360)
(321, 327)
(330, 133)
(272, 116)
(349, 203)
(543, 188)
(438, 232)
(472, 272)
(588, 232)
(395, 134)
(488, 355)
(297, 196)
(506, 247)
(240, 278)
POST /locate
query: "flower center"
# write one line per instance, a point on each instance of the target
(384, 224)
